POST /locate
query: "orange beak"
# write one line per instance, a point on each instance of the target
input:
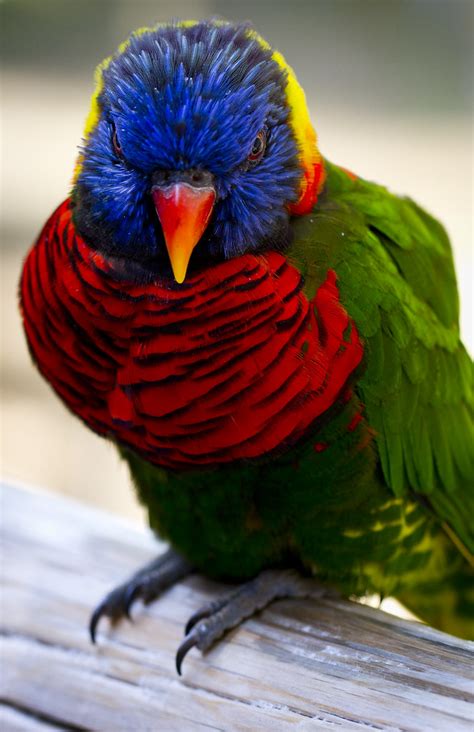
(184, 212)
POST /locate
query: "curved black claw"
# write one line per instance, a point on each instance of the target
(132, 593)
(94, 621)
(205, 612)
(146, 584)
(189, 642)
(113, 606)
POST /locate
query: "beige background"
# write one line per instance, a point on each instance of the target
(389, 87)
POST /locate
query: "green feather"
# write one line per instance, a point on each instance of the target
(396, 277)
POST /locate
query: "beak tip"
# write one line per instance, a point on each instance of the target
(184, 213)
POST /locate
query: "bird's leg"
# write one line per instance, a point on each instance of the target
(145, 584)
(213, 619)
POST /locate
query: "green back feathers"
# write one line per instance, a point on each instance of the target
(396, 279)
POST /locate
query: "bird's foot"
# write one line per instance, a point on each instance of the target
(145, 584)
(214, 619)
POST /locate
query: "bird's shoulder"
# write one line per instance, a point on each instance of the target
(396, 279)
(358, 219)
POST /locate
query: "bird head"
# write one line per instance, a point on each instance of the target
(198, 142)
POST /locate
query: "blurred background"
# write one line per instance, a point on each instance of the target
(389, 85)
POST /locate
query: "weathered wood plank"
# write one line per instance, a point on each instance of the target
(17, 720)
(299, 664)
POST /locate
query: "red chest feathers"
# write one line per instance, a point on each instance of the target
(231, 365)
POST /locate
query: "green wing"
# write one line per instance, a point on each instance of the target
(396, 278)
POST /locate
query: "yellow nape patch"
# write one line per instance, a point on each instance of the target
(305, 135)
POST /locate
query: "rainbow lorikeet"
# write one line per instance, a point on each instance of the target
(271, 342)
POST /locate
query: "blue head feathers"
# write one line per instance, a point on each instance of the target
(204, 101)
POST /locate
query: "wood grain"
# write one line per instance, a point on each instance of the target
(297, 665)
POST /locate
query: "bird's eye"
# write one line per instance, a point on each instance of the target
(115, 142)
(258, 147)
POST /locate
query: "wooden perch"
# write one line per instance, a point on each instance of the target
(298, 665)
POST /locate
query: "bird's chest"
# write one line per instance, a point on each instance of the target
(233, 365)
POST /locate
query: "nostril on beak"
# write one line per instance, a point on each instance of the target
(161, 177)
(194, 176)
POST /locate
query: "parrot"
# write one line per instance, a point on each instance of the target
(270, 341)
